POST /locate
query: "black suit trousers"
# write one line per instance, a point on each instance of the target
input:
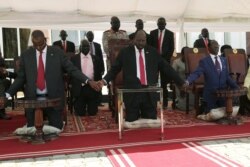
(87, 101)
(140, 105)
(54, 117)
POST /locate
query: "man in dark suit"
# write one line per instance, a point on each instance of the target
(131, 61)
(86, 98)
(41, 73)
(223, 48)
(64, 44)
(139, 26)
(203, 41)
(95, 49)
(216, 77)
(163, 40)
(4, 84)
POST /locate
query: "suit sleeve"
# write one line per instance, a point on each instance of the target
(151, 39)
(115, 68)
(72, 70)
(230, 82)
(101, 59)
(171, 47)
(73, 47)
(170, 72)
(20, 78)
(196, 44)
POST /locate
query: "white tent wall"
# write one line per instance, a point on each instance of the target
(225, 14)
(181, 15)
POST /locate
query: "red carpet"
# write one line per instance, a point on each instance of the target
(171, 155)
(101, 132)
(12, 148)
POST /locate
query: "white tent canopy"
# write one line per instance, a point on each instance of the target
(187, 15)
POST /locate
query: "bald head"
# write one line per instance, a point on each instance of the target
(38, 40)
(205, 33)
(140, 39)
(85, 47)
(63, 35)
(37, 34)
(213, 47)
(115, 23)
(161, 23)
(90, 36)
(139, 24)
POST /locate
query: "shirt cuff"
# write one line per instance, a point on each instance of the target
(7, 95)
(186, 82)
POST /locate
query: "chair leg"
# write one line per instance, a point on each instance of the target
(12, 102)
(65, 118)
(196, 102)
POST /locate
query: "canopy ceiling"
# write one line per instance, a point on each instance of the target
(224, 15)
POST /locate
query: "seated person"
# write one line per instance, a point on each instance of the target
(245, 99)
(222, 49)
(214, 68)
(86, 99)
(4, 84)
(179, 66)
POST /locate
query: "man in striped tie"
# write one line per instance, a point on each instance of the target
(214, 68)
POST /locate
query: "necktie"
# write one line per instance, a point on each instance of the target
(142, 69)
(64, 46)
(159, 42)
(40, 81)
(206, 43)
(217, 65)
(91, 48)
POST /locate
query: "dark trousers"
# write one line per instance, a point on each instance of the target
(164, 83)
(54, 117)
(86, 102)
(4, 86)
(244, 106)
(140, 105)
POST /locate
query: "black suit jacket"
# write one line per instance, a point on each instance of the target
(126, 61)
(70, 45)
(132, 36)
(167, 43)
(55, 66)
(98, 53)
(76, 84)
(199, 43)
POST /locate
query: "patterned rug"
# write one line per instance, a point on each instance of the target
(103, 121)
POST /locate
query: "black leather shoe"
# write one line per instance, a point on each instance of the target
(4, 116)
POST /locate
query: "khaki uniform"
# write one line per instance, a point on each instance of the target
(110, 34)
